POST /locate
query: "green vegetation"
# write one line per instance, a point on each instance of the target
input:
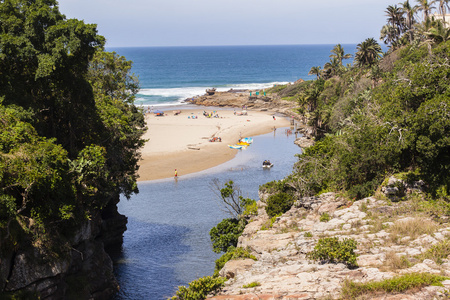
(325, 217)
(200, 288)
(251, 285)
(383, 115)
(279, 204)
(437, 252)
(380, 118)
(335, 251)
(269, 223)
(69, 131)
(232, 253)
(225, 234)
(352, 290)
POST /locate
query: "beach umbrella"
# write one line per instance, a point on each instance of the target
(158, 112)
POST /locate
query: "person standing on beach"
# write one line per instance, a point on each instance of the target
(176, 173)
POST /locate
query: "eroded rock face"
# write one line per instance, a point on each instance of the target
(83, 270)
(284, 272)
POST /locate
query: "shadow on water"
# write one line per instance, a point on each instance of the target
(167, 243)
(148, 258)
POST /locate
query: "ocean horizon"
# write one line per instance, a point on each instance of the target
(170, 75)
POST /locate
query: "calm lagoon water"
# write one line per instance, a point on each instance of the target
(167, 243)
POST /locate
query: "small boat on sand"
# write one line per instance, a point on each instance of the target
(243, 144)
(236, 146)
(247, 140)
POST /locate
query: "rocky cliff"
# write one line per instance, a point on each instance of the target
(393, 238)
(81, 270)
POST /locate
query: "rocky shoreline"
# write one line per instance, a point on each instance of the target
(84, 270)
(283, 271)
(242, 98)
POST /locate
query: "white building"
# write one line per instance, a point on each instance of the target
(439, 17)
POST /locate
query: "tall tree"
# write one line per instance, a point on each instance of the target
(368, 53)
(425, 6)
(388, 34)
(339, 53)
(332, 67)
(315, 71)
(443, 6)
(409, 12)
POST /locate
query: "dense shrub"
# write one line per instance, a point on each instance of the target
(279, 204)
(335, 251)
(200, 288)
(226, 234)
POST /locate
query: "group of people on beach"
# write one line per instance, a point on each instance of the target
(213, 114)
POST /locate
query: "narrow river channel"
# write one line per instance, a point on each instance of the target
(167, 242)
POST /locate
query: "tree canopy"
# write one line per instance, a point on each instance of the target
(70, 132)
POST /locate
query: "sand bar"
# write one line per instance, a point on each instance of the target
(182, 142)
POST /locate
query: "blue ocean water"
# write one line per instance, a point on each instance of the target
(169, 75)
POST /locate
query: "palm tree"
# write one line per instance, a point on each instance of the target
(395, 16)
(338, 53)
(388, 34)
(368, 53)
(315, 71)
(426, 6)
(443, 6)
(331, 68)
(409, 12)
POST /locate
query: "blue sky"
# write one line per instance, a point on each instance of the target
(134, 23)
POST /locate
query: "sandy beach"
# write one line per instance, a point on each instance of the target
(182, 141)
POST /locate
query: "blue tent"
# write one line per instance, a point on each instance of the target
(158, 112)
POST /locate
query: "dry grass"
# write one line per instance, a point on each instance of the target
(412, 227)
(394, 262)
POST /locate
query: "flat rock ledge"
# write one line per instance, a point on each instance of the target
(283, 271)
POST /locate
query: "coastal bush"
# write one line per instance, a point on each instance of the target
(437, 252)
(279, 204)
(334, 251)
(225, 234)
(325, 217)
(307, 234)
(251, 285)
(398, 284)
(232, 253)
(371, 122)
(269, 223)
(273, 187)
(199, 288)
(251, 209)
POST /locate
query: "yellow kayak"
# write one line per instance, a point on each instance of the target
(243, 143)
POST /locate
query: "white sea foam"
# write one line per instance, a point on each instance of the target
(174, 96)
